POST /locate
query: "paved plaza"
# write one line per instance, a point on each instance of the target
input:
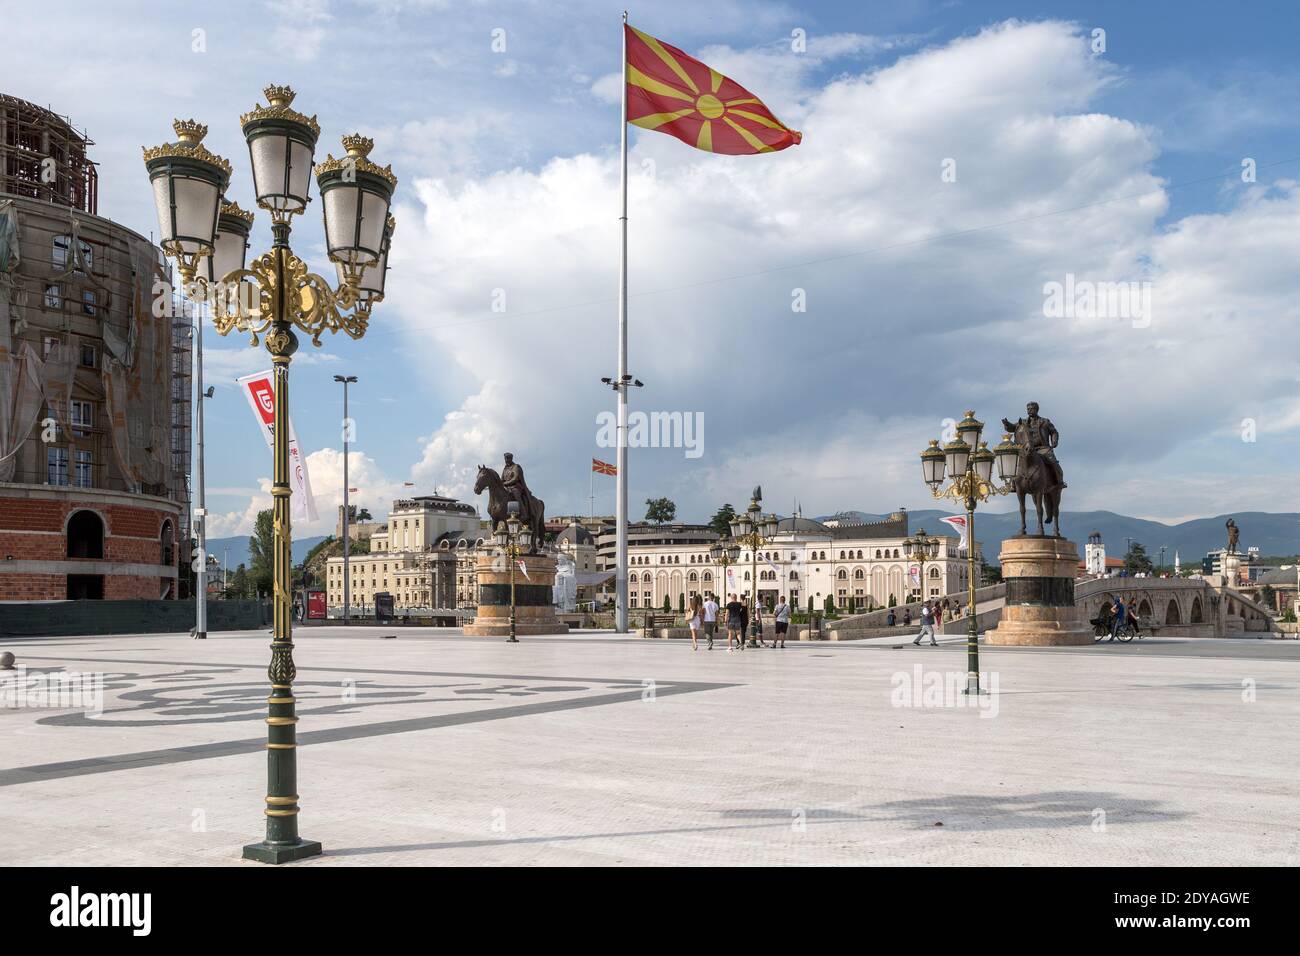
(432, 748)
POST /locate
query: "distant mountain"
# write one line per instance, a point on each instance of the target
(1272, 533)
(234, 551)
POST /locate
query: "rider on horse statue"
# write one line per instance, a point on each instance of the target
(1043, 438)
(512, 476)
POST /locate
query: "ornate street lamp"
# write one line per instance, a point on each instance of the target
(753, 529)
(969, 464)
(188, 183)
(513, 538)
(724, 555)
(921, 548)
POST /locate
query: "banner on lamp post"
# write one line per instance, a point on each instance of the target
(259, 389)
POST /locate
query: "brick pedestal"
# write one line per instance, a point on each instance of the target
(1039, 572)
(534, 613)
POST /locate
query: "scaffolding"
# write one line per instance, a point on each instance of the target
(183, 324)
(42, 156)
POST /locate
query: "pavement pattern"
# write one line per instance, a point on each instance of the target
(432, 748)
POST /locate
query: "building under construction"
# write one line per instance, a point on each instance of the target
(95, 392)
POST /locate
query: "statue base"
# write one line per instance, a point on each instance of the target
(534, 576)
(1039, 572)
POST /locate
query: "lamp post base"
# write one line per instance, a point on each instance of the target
(281, 852)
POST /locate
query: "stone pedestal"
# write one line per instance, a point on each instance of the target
(1039, 572)
(534, 613)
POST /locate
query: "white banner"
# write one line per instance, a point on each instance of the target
(259, 389)
(914, 575)
(958, 524)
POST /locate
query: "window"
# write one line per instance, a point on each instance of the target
(63, 245)
(167, 544)
(88, 302)
(53, 299)
(88, 356)
(83, 417)
(86, 533)
(84, 477)
(50, 344)
(56, 466)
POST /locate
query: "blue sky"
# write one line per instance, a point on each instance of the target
(924, 297)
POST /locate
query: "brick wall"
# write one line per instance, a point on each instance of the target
(133, 536)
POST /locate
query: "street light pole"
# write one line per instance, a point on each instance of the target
(514, 539)
(201, 512)
(188, 182)
(753, 529)
(347, 536)
(969, 464)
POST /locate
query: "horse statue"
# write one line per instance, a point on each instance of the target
(1036, 478)
(499, 499)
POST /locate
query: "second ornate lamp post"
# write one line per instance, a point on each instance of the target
(273, 297)
(969, 465)
(921, 548)
(513, 538)
(753, 529)
(724, 556)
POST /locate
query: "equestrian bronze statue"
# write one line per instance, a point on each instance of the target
(1040, 475)
(508, 487)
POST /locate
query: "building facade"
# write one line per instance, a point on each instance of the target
(856, 565)
(95, 430)
(423, 556)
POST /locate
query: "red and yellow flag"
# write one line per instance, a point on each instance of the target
(603, 467)
(676, 94)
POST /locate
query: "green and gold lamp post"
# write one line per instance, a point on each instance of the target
(514, 539)
(969, 466)
(921, 548)
(724, 555)
(271, 298)
(753, 529)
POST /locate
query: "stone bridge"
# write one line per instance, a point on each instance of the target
(1179, 607)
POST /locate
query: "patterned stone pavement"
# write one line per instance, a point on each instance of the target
(433, 748)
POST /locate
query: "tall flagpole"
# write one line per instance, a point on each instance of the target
(620, 517)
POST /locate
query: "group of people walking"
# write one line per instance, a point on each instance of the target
(704, 614)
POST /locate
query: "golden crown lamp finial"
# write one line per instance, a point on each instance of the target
(190, 131)
(279, 95)
(358, 146)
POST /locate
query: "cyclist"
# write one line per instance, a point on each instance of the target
(1119, 616)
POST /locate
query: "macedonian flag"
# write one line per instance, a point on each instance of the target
(676, 94)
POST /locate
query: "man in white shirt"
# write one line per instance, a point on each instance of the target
(927, 624)
(781, 614)
(710, 619)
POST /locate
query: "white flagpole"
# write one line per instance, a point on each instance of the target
(620, 518)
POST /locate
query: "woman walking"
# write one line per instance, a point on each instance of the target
(756, 627)
(694, 617)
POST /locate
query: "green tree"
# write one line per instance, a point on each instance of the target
(989, 574)
(721, 521)
(893, 601)
(681, 602)
(659, 510)
(829, 604)
(261, 553)
(364, 515)
(853, 604)
(810, 604)
(668, 604)
(1268, 597)
(238, 585)
(1137, 561)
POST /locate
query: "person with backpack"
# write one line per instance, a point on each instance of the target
(781, 614)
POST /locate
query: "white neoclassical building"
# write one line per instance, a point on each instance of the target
(855, 564)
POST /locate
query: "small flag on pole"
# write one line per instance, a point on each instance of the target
(524, 569)
(676, 94)
(603, 467)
